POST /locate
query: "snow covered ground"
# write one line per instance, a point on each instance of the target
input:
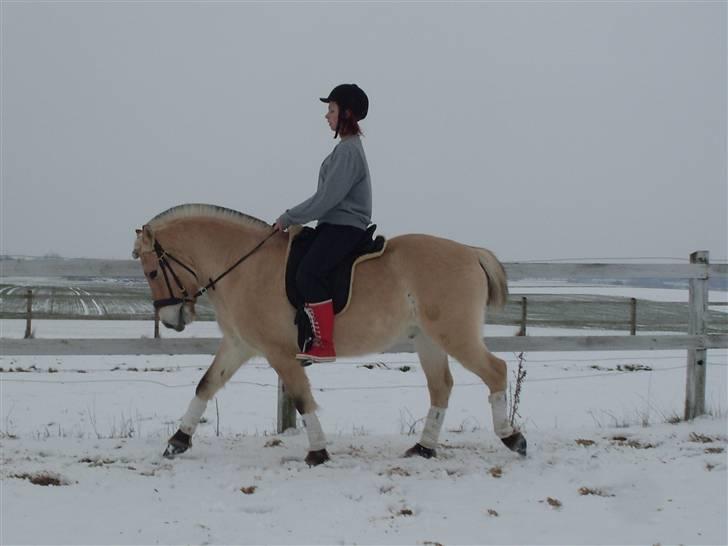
(605, 464)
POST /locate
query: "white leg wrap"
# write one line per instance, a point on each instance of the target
(191, 419)
(501, 423)
(433, 425)
(316, 438)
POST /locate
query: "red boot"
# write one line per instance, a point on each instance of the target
(321, 316)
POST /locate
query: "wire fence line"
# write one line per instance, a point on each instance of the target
(613, 373)
(700, 338)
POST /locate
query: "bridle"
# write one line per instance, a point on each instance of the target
(163, 258)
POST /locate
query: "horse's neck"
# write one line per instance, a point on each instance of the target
(212, 246)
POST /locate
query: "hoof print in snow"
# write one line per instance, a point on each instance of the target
(275, 442)
(421, 451)
(177, 444)
(249, 490)
(516, 442)
(315, 458)
(395, 471)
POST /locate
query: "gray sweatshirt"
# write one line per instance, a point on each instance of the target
(344, 194)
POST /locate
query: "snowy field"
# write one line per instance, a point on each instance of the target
(609, 462)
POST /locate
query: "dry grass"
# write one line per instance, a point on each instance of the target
(623, 441)
(496, 471)
(594, 491)
(700, 438)
(249, 490)
(42, 478)
(275, 442)
(585, 443)
(553, 502)
(395, 471)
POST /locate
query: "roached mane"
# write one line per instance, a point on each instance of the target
(197, 210)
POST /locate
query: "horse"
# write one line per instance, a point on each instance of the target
(431, 290)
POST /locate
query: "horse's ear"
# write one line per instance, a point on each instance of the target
(147, 235)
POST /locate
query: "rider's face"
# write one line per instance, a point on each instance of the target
(332, 116)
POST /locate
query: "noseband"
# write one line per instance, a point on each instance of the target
(163, 258)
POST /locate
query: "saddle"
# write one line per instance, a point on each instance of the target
(340, 280)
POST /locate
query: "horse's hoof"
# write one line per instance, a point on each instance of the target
(422, 451)
(516, 442)
(177, 444)
(315, 458)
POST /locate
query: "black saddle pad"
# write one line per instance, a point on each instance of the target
(340, 280)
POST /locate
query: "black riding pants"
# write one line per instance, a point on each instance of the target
(331, 245)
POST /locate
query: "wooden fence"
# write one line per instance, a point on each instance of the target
(697, 340)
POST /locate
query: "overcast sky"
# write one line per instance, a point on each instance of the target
(539, 130)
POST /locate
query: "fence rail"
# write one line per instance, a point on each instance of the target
(697, 340)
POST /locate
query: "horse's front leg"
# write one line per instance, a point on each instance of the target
(298, 389)
(230, 356)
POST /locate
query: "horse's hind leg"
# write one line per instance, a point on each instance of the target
(494, 372)
(298, 389)
(439, 382)
(229, 357)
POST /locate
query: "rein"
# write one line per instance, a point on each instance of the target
(165, 266)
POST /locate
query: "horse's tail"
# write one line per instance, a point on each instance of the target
(497, 278)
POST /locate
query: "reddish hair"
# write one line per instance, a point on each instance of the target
(348, 125)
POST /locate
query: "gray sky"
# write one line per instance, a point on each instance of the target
(539, 130)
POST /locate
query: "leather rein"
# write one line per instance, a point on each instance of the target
(163, 258)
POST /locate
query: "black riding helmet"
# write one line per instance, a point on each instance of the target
(349, 96)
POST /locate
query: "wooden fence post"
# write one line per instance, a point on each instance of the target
(633, 317)
(524, 313)
(286, 410)
(156, 323)
(697, 358)
(29, 314)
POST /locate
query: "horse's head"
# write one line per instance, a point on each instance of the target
(170, 281)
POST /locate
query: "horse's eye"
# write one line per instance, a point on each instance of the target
(152, 275)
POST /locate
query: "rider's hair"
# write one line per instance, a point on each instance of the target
(349, 125)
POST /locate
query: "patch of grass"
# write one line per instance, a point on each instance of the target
(249, 490)
(496, 472)
(275, 442)
(585, 443)
(395, 471)
(554, 502)
(594, 491)
(714, 450)
(623, 441)
(700, 438)
(492, 513)
(42, 478)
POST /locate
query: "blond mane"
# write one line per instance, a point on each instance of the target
(201, 210)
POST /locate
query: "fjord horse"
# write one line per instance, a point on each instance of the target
(433, 291)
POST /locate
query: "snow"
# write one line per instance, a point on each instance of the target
(99, 427)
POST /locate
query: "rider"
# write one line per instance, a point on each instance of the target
(342, 205)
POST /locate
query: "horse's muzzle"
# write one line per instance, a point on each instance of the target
(175, 317)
